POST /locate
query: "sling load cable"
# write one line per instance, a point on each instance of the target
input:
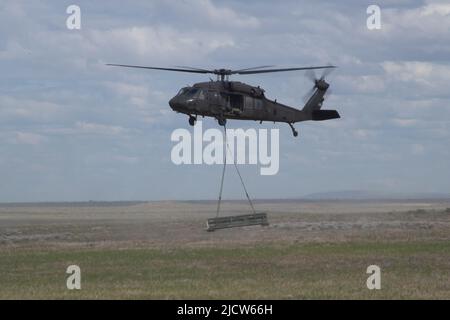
(227, 148)
(223, 172)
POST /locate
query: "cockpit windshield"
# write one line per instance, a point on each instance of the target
(182, 91)
(191, 93)
(188, 91)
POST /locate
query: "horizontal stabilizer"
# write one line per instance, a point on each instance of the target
(319, 115)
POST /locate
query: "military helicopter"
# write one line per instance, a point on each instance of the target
(224, 99)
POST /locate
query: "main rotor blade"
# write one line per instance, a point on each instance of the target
(281, 70)
(247, 69)
(191, 68)
(165, 69)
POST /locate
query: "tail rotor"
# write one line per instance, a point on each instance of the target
(319, 83)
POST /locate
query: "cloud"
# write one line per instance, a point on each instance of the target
(29, 138)
(417, 149)
(13, 50)
(442, 9)
(413, 33)
(207, 12)
(364, 83)
(147, 102)
(157, 44)
(404, 122)
(99, 129)
(362, 134)
(28, 108)
(421, 78)
(126, 159)
(411, 70)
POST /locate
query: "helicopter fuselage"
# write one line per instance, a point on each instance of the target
(233, 100)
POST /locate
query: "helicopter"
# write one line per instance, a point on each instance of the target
(224, 99)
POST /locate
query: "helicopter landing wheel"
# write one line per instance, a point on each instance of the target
(192, 120)
(222, 121)
(295, 133)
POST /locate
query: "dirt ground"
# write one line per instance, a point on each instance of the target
(181, 224)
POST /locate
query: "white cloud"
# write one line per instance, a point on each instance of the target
(417, 149)
(147, 102)
(413, 70)
(128, 89)
(364, 83)
(362, 134)
(404, 122)
(13, 50)
(419, 78)
(430, 19)
(442, 9)
(97, 128)
(28, 108)
(28, 138)
(206, 12)
(126, 159)
(157, 44)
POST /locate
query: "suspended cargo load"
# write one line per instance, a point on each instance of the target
(237, 221)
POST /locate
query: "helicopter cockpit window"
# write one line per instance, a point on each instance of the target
(195, 93)
(192, 92)
(182, 91)
(201, 95)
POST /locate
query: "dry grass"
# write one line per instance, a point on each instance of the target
(149, 251)
(277, 271)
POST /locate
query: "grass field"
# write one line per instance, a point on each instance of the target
(309, 271)
(324, 257)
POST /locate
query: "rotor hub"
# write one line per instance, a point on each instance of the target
(321, 84)
(225, 72)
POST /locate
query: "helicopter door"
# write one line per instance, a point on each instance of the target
(260, 111)
(248, 103)
(237, 103)
(215, 101)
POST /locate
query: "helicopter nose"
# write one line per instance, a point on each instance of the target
(175, 103)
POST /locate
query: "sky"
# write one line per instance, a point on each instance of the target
(73, 129)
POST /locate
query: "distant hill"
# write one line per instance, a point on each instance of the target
(373, 195)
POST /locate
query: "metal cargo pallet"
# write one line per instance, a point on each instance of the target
(237, 221)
